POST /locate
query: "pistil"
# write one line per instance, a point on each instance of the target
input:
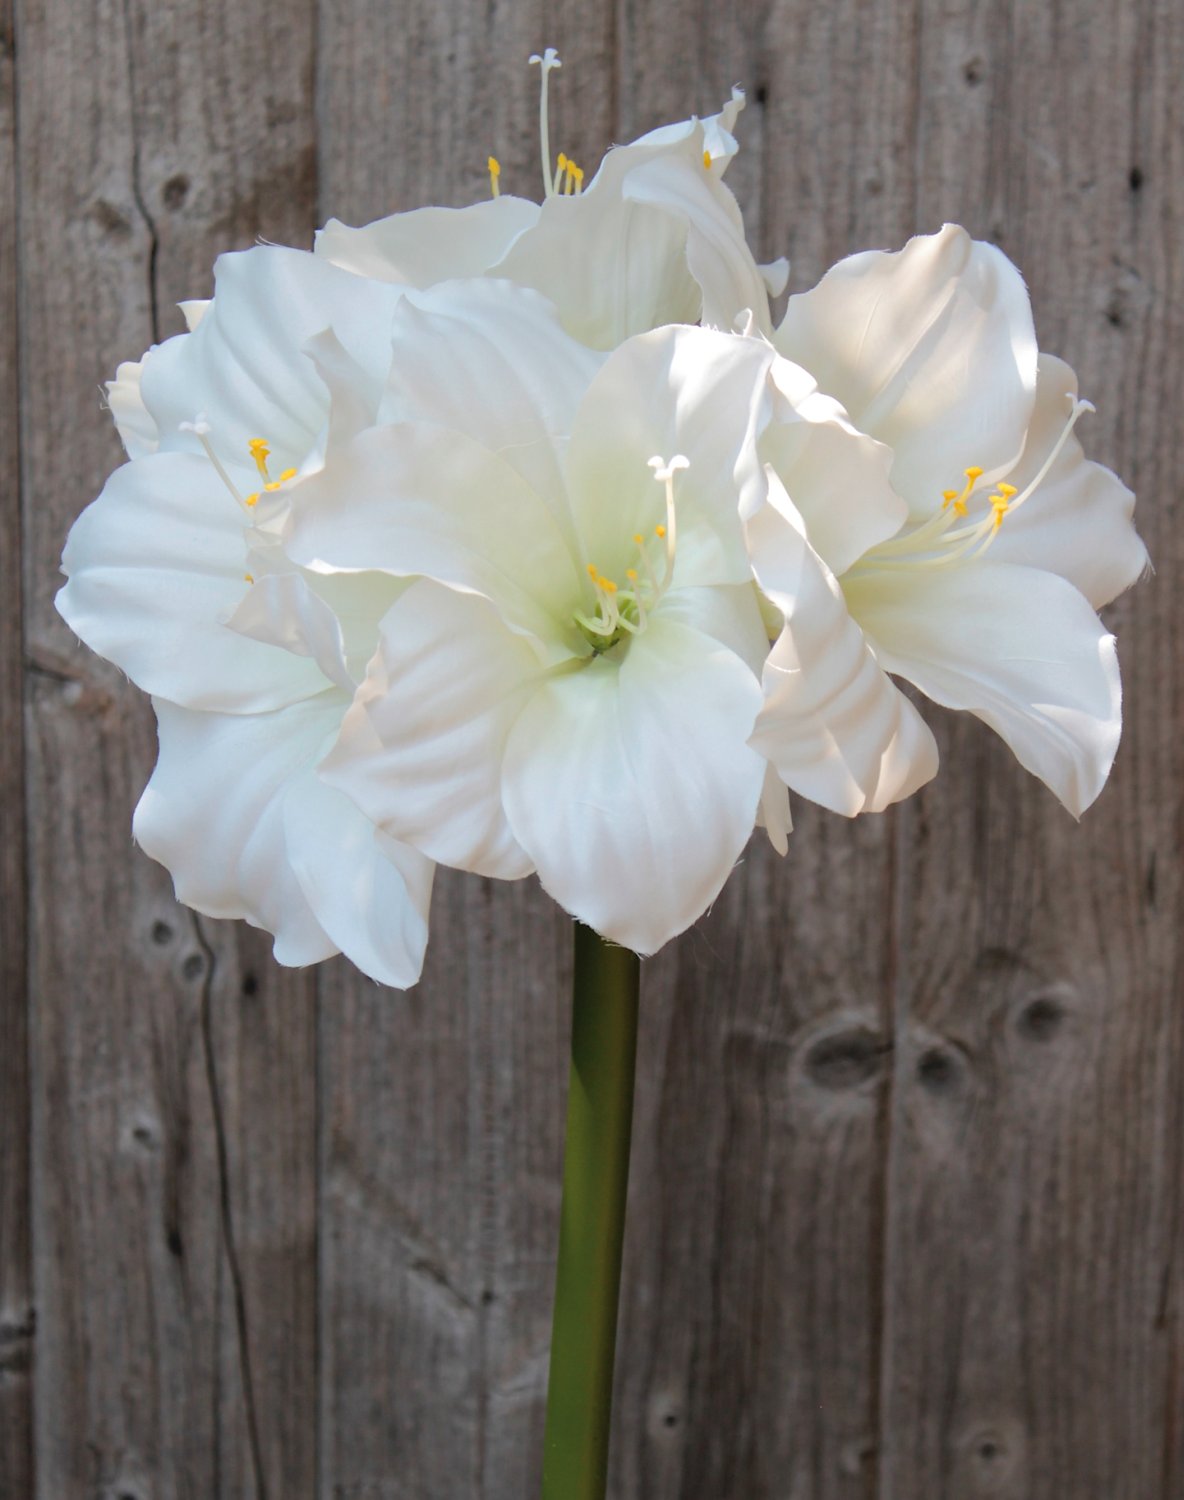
(548, 60)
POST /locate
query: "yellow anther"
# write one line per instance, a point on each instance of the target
(273, 484)
(638, 538)
(286, 475)
(631, 574)
(1007, 490)
(707, 158)
(578, 174)
(495, 171)
(948, 497)
(593, 571)
(1000, 504)
(260, 452)
(973, 475)
(659, 531)
(607, 585)
(252, 499)
(248, 578)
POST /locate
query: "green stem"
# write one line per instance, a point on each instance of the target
(592, 1220)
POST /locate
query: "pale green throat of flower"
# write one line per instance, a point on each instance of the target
(940, 541)
(624, 610)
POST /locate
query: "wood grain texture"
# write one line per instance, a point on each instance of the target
(174, 1101)
(907, 1207)
(17, 1323)
(1035, 1144)
(442, 1110)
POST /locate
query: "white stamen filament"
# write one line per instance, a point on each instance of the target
(948, 543)
(548, 60)
(626, 610)
(200, 428)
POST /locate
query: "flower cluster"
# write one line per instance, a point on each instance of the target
(519, 538)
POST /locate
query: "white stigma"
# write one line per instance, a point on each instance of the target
(548, 60)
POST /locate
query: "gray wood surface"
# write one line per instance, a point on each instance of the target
(16, 1291)
(908, 1174)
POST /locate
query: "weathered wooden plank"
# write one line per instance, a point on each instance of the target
(175, 1099)
(443, 1109)
(751, 1346)
(1037, 1136)
(16, 1279)
(906, 1212)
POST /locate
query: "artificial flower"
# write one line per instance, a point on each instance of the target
(175, 574)
(570, 684)
(656, 236)
(985, 600)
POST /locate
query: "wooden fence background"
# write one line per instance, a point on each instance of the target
(907, 1214)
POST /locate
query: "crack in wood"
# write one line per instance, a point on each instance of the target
(226, 1213)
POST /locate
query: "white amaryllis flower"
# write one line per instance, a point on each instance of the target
(571, 684)
(656, 237)
(985, 600)
(175, 575)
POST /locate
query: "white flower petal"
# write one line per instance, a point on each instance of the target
(718, 256)
(679, 390)
(717, 131)
(1078, 521)
(282, 610)
(931, 350)
(133, 421)
(155, 568)
(835, 727)
(612, 266)
(194, 310)
(1019, 647)
(213, 814)
(775, 275)
(244, 368)
(491, 360)
(773, 815)
(427, 245)
(353, 397)
(236, 812)
(728, 613)
(412, 499)
(656, 238)
(836, 477)
(421, 749)
(370, 893)
(631, 786)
